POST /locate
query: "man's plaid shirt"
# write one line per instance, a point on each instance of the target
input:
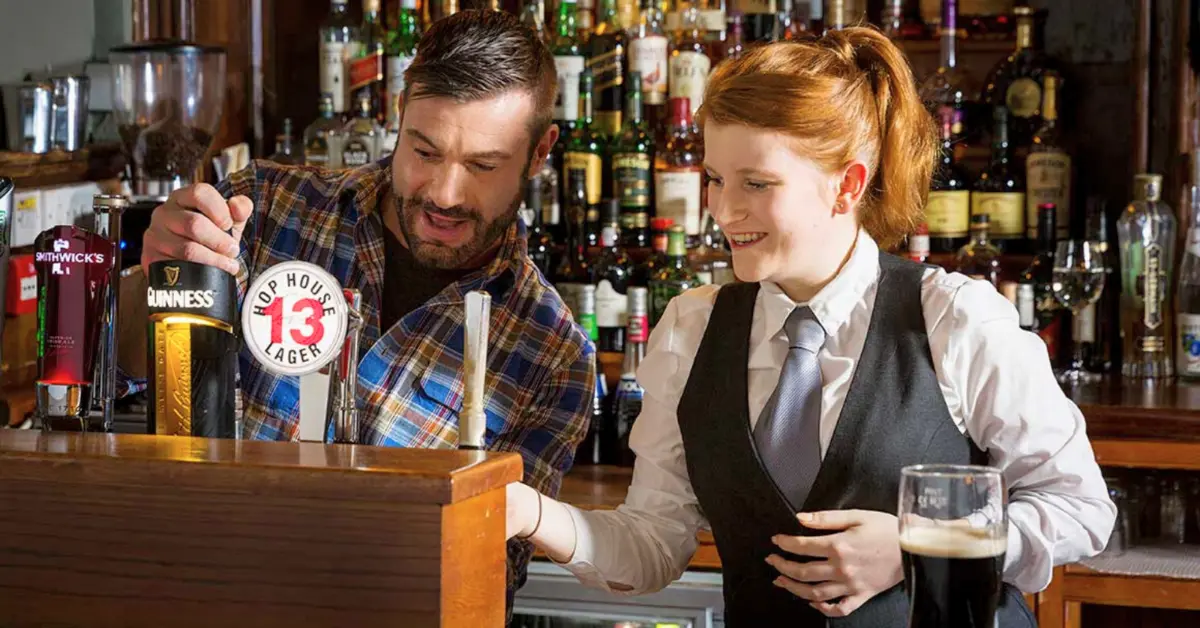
(541, 372)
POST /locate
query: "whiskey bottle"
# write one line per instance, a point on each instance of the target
(1146, 233)
(979, 259)
(948, 211)
(572, 272)
(611, 274)
(401, 48)
(948, 86)
(689, 64)
(338, 35)
(1016, 81)
(633, 161)
(606, 60)
(366, 67)
(648, 58)
(674, 278)
(1048, 166)
(362, 136)
(323, 138)
(677, 174)
(999, 191)
(1188, 301)
(584, 152)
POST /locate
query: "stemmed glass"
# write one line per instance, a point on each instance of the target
(1077, 281)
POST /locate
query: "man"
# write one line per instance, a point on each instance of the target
(415, 233)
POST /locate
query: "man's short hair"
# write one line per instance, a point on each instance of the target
(473, 55)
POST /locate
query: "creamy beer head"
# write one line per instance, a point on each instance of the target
(952, 542)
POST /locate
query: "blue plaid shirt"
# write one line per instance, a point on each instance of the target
(540, 372)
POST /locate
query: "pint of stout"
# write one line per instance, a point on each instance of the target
(953, 535)
(953, 576)
(192, 350)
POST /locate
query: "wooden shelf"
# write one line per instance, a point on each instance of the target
(99, 162)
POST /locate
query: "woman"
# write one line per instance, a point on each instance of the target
(779, 411)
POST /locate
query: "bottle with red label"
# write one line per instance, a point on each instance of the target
(627, 397)
(918, 243)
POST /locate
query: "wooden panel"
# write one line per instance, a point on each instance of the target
(1147, 454)
(1120, 408)
(279, 470)
(1095, 616)
(474, 562)
(1084, 585)
(226, 23)
(1051, 606)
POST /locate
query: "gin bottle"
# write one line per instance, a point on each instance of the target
(1188, 302)
(1146, 235)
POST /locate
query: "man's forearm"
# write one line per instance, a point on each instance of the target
(131, 324)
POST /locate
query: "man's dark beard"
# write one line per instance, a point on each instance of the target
(438, 255)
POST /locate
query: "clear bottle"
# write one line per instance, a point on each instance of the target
(362, 136)
(674, 278)
(627, 397)
(979, 259)
(1146, 233)
(284, 153)
(690, 63)
(338, 35)
(648, 53)
(323, 138)
(1188, 301)
(401, 48)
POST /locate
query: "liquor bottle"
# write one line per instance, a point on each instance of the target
(902, 20)
(689, 64)
(918, 243)
(1146, 232)
(533, 16)
(784, 27)
(572, 272)
(816, 16)
(999, 191)
(658, 253)
(284, 153)
(948, 212)
(584, 151)
(627, 397)
(548, 185)
(590, 450)
(674, 278)
(716, 250)
(979, 259)
(843, 13)
(759, 16)
(628, 12)
(585, 19)
(1188, 301)
(648, 58)
(611, 274)
(948, 86)
(1016, 81)
(677, 174)
(712, 22)
(633, 161)
(338, 35)
(1048, 166)
(606, 60)
(569, 63)
(438, 9)
(539, 243)
(1048, 315)
(362, 136)
(366, 67)
(323, 138)
(587, 312)
(735, 42)
(401, 48)
(1097, 329)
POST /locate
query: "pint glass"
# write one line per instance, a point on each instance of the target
(953, 533)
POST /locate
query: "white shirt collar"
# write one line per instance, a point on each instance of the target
(835, 302)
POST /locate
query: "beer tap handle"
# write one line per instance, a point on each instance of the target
(108, 209)
(473, 420)
(343, 381)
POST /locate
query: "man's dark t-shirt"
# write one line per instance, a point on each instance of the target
(407, 285)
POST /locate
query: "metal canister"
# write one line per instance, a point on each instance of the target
(35, 111)
(69, 111)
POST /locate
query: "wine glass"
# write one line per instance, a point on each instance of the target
(1077, 280)
(953, 537)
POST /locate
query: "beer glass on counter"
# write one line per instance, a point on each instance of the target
(953, 533)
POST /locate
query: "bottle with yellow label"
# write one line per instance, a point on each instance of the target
(999, 191)
(1016, 82)
(584, 152)
(949, 209)
(1048, 167)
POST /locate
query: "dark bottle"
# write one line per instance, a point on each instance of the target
(627, 398)
(571, 274)
(366, 69)
(606, 60)
(734, 44)
(947, 86)
(999, 191)
(611, 274)
(674, 277)
(1047, 315)
(591, 450)
(584, 153)
(948, 213)
(569, 62)
(1096, 328)
(658, 254)
(759, 19)
(633, 163)
(1016, 81)
(539, 243)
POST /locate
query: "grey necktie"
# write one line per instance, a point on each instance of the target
(787, 433)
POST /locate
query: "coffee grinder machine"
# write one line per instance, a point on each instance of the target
(167, 100)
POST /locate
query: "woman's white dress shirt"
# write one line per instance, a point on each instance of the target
(998, 385)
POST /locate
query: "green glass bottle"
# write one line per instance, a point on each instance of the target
(674, 277)
(633, 165)
(606, 59)
(585, 151)
(401, 48)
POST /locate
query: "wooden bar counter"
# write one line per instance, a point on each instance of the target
(135, 530)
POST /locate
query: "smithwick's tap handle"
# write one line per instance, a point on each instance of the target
(343, 380)
(473, 421)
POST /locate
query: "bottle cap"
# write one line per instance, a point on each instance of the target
(979, 220)
(587, 299)
(680, 109)
(638, 298)
(661, 224)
